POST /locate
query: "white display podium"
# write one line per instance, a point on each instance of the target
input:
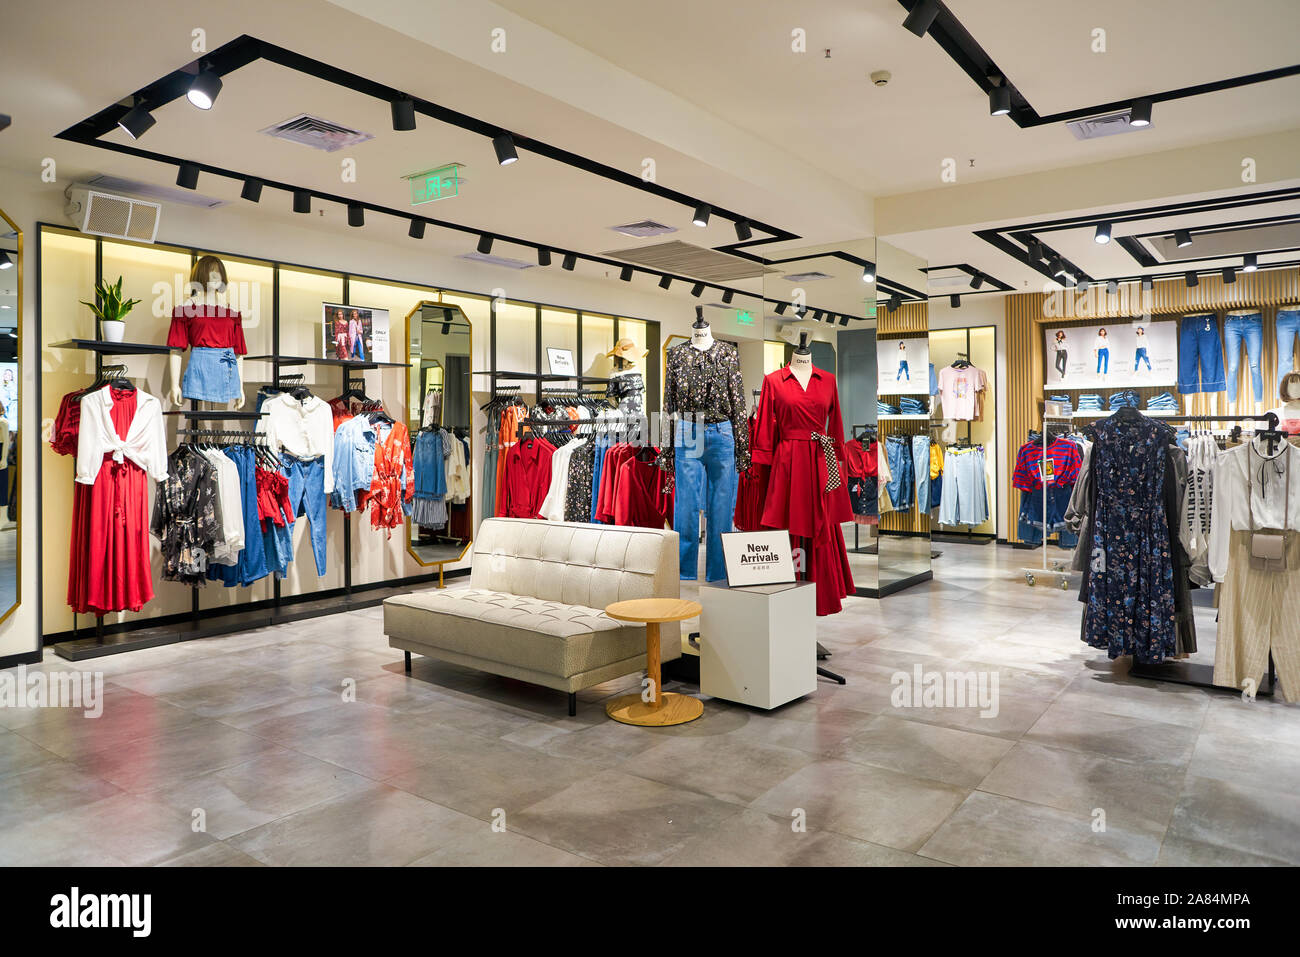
(758, 644)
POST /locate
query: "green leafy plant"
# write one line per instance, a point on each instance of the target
(110, 306)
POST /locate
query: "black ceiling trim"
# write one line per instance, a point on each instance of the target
(997, 284)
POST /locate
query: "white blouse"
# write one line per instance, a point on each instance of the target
(303, 429)
(145, 443)
(1230, 512)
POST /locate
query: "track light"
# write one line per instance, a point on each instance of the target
(1183, 237)
(6, 262)
(504, 144)
(485, 244)
(1139, 113)
(137, 121)
(728, 296)
(894, 302)
(1102, 235)
(697, 290)
(780, 308)
(416, 230)
(702, 213)
(1058, 267)
(1148, 284)
(1112, 288)
(977, 281)
(187, 177)
(1035, 251)
(301, 201)
(954, 301)
(403, 114)
(356, 215)
(203, 91)
(844, 320)
(625, 274)
(743, 232)
(543, 256)
(1229, 275)
(665, 281)
(869, 272)
(1084, 285)
(252, 190)
(1249, 262)
(817, 315)
(569, 261)
(1000, 101)
(1191, 279)
(921, 16)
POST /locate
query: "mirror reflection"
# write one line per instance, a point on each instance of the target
(11, 252)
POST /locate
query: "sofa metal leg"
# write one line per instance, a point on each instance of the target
(408, 662)
(573, 703)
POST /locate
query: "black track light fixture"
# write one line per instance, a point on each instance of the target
(743, 232)
(484, 244)
(625, 274)
(416, 230)
(999, 100)
(1148, 284)
(1139, 113)
(921, 16)
(869, 272)
(697, 290)
(6, 262)
(187, 177)
(252, 190)
(976, 281)
(894, 302)
(1035, 251)
(781, 307)
(1229, 275)
(504, 144)
(356, 215)
(817, 315)
(1102, 235)
(1191, 279)
(569, 261)
(1183, 237)
(1249, 262)
(137, 121)
(1058, 267)
(204, 89)
(403, 109)
(665, 281)
(543, 256)
(955, 301)
(301, 201)
(844, 320)
(728, 295)
(702, 214)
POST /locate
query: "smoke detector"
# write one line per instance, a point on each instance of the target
(881, 78)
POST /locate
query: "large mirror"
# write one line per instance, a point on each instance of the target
(439, 411)
(11, 309)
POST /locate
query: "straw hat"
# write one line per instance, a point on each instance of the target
(627, 349)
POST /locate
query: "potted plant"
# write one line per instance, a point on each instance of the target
(111, 309)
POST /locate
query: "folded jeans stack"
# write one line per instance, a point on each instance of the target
(1164, 402)
(1090, 402)
(909, 406)
(1124, 398)
(884, 408)
(1064, 402)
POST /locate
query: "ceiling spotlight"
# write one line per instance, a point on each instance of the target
(187, 177)
(203, 91)
(301, 201)
(543, 256)
(977, 281)
(1148, 284)
(697, 290)
(869, 272)
(1084, 285)
(1000, 101)
(1249, 262)
(844, 320)
(921, 16)
(417, 229)
(356, 215)
(403, 114)
(743, 232)
(1183, 237)
(954, 301)
(484, 244)
(1035, 251)
(137, 121)
(817, 315)
(728, 296)
(1112, 288)
(702, 213)
(570, 260)
(252, 190)
(625, 274)
(504, 144)
(6, 262)
(1229, 275)
(894, 302)
(1102, 235)
(801, 311)
(780, 308)
(1191, 279)
(1139, 113)
(1058, 267)
(665, 281)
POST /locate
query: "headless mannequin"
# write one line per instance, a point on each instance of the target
(801, 363)
(211, 290)
(701, 334)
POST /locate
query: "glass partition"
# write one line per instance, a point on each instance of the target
(11, 309)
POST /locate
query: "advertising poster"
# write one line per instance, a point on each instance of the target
(1123, 354)
(358, 333)
(903, 366)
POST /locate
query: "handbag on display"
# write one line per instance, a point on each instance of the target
(1268, 545)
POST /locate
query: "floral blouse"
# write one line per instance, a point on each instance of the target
(187, 517)
(706, 384)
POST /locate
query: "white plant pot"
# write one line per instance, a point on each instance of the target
(114, 330)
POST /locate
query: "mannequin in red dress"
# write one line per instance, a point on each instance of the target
(801, 436)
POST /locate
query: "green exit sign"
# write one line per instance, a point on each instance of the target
(744, 318)
(435, 184)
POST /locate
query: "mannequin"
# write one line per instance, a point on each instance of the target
(206, 323)
(701, 334)
(1288, 413)
(626, 382)
(801, 363)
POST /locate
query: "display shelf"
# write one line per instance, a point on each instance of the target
(197, 414)
(1150, 413)
(104, 347)
(342, 363)
(915, 417)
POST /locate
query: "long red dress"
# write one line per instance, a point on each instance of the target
(788, 419)
(63, 440)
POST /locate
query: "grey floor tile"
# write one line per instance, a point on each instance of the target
(216, 854)
(924, 750)
(1179, 852)
(1116, 736)
(484, 847)
(1239, 817)
(48, 787)
(733, 770)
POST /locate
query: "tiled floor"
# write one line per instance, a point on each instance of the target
(306, 744)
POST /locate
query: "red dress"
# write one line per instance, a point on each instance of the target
(788, 418)
(63, 440)
(751, 493)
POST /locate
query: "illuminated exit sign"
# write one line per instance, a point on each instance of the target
(744, 318)
(435, 184)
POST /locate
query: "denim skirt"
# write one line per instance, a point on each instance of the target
(211, 375)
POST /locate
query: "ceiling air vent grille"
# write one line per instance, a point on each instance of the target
(644, 229)
(317, 133)
(505, 261)
(164, 194)
(684, 259)
(1094, 127)
(807, 276)
(102, 214)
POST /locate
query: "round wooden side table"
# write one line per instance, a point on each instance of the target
(662, 709)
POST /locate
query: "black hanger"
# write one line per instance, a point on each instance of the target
(1128, 414)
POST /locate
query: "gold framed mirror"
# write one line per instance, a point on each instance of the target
(440, 411)
(11, 311)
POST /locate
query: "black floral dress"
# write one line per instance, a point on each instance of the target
(1129, 587)
(187, 516)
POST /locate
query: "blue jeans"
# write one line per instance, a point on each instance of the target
(1250, 330)
(703, 481)
(1031, 529)
(1198, 338)
(902, 372)
(359, 349)
(966, 501)
(307, 497)
(1287, 328)
(921, 465)
(1141, 356)
(901, 485)
(252, 557)
(1103, 361)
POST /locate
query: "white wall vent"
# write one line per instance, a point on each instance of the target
(644, 229)
(505, 261)
(317, 133)
(807, 276)
(1094, 127)
(163, 194)
(119, 217)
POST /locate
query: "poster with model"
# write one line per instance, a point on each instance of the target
(358, 333)
(903, 366)
(1122, 354)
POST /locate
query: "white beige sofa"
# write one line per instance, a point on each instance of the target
(535, 606)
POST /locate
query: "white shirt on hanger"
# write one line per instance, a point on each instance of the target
(303, 429)
(1230, 511)
(232, 508)
(145, 443)
(553, 505)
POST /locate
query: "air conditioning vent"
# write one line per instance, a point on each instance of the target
(103, 214)
(644, 229)
(1094, 127)
(684, 259)
(162, 194)
(504, 261)
(807, 276)
(317, 133)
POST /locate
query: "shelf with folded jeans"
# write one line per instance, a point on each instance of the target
(310, 360)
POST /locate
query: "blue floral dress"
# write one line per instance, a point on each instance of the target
(1129, 588)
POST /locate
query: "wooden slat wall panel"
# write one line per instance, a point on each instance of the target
(908, 317)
